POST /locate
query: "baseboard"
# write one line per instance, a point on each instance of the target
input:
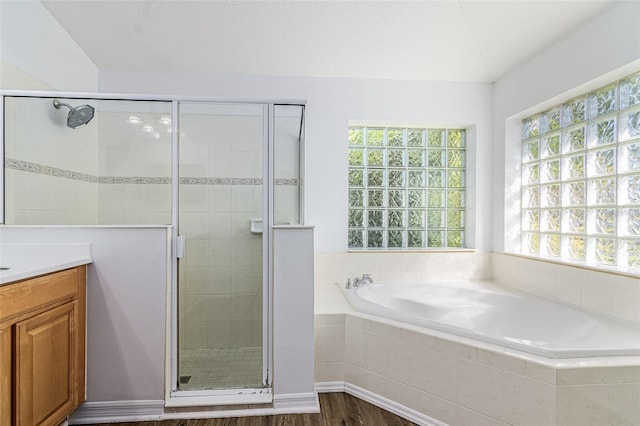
(328, 387)
(138, 411)
(379, 401)
(133, 411)
(117, 411)
(296, 403)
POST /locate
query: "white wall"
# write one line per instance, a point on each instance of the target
(606, 48)
(37, 54)
(331, 103)
(126, 288)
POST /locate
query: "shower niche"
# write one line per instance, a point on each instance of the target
(217, 175)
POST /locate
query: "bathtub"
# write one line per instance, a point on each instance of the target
(483, 311)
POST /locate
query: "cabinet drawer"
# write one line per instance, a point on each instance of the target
(36, 293)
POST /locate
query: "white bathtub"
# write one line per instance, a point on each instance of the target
(483, 311)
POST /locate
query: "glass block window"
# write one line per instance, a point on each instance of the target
(581, 178)
(406, 188)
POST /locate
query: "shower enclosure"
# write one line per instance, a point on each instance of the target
(218, 174)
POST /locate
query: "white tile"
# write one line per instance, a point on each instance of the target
(219, 225)
(240, 307)
(197, 307)
(437, 373)
(471, 417)
(194, 162)
(354, 346)
(329, 371)
(540, 372)
(626, 298)
(220, 164)
(218, 198)
(218, 334)
(613, 375)
(219, 252)
(480, 388)
(418, 338)
(218, 307)
(194, 225)
(219, 279)
(597, 296)
(196, 280)
(194, 198)
(241, 333)
(498, 360)
(441, 409)
(594, 405)
(241, 198)
(329, 343)
(195, 334)
(196, 253)
(527, 401)
(574, 376)
(329, 319)
(454, 348)
(404, 395)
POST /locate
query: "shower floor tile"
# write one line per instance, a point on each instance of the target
(220, 368)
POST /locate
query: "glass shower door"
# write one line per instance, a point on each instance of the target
(220, 277)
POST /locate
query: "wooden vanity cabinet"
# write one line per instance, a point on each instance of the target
(42, 348)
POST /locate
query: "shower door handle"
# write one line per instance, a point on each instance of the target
(179, 246)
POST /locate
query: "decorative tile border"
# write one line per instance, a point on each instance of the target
(29, 167)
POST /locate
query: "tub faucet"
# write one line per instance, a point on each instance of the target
(357, 282)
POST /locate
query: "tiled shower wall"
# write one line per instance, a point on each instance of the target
(221, 278)
(221, 192)
(134, 166)
(111, 171)
(49, 168)
(220, 282)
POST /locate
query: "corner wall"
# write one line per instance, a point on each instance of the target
(606, 48)
(36, 53)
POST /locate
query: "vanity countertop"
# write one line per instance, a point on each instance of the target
(28, 261)
(21, 268)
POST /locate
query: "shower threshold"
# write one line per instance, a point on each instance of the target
(205, 369)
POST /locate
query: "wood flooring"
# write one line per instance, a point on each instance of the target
(336, 409)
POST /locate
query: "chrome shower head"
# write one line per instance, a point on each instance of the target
(78, 116)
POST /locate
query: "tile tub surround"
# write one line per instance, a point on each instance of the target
(608, 293)
(459, 381)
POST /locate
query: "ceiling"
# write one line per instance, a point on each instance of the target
(453, 40)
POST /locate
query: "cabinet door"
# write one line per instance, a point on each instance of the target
(46, 366)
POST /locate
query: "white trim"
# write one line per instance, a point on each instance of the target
(329, 387)
(171, 332)
(268, 123)
(379, 401)
(2, 135)
(294, 226)
(144, 97)
(296, 403)
(131, 411)
(187, 398)
(117, 411)
(391, 406)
